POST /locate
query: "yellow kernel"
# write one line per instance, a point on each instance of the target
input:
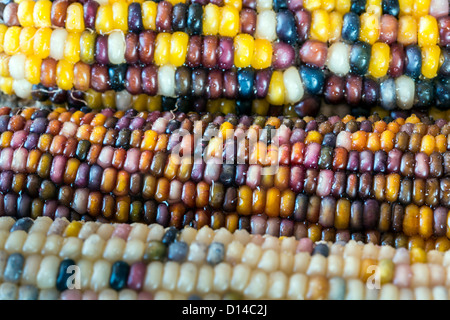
(42, 14)
(211, 19)
(229, 21)
(75, 18)
(320, 23)
(243, 50)
(120, 15)
(25, 13)
(262, 56)
(430, 61)
(379, 61)
(178, 48)
(428, 31)
(275, 94)
(149, 11)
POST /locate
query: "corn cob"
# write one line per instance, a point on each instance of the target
(20, 73)
(134, 185)
(126, 261)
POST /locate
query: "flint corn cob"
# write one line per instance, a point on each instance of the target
(73, 166)
(150, 262)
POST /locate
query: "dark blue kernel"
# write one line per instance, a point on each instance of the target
(168, 103)
(64, 274)
(444, 70)
(245, 79)
(117, 76)
(227, 174)
(22, 224)
(194, 19)
(413, 61)
(243, 107)
(424, 93)
(178, 251)
(286, 26)
(39, 93)
(39, 125)
(350, 27)
(179, 14)
(119, 275)
(313, 79)
(391, 7)
(360, 54)
(14, 267)
(280, 5)
(442, 92)
(358, 6)
(387, 94)
(216, 253)
(24, 206)
(329, 140)
(322, 249)
(170, 236)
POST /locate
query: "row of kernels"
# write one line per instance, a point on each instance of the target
(291, 129)
(410, 134)
(108, 174)
(349, 267)
(99, 149)
(413, 138)
(275, 87)
(279, 87)
(270, 25)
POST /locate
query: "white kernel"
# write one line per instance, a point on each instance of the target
(34, 243)
(170, 275)
(71, 248)
(22, 88)
(15, 241)
(355, 290)
(48, 272)
(257, 286)
(166, 80)
(240, 277)
(222, 276)
(297, 286)
(93, 247)
(252, 254)
(338, 58)
(266, 23)
(57, 42)
(100, 275)
(86, 269)
(351, 267)
(293, 86)
(30, 269)
(405, 88)
(114, 249)
(134, 251)
(278, 283)
(269, 261)
(317, 265)
(335, 266)
(205, 279)
(153, 276)
(389, 292)
(116, 47)
(301, 262)
(188, 278)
